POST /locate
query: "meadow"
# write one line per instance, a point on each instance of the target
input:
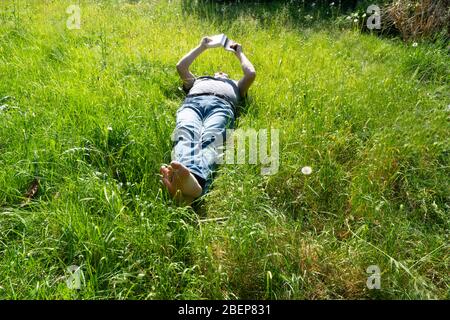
(86, 117)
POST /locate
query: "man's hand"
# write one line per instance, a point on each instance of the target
(204, 42)
(237, 48)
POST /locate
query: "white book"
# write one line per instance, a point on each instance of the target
(221, 40)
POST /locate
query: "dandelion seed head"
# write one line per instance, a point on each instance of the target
(307, 170)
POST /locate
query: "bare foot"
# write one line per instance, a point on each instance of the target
(180, 182)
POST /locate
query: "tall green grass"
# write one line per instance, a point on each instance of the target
(90, 113)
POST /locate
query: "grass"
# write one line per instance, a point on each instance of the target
(90, 113)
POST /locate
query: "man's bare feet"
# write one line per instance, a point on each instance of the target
(180, 182)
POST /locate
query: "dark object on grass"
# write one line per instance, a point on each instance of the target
(32, 191)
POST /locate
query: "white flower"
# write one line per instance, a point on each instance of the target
(313, 4)
(356, 20)
(364, 15)
(349, 18)
(332, 4)
(414, 44)
(109, 128)
(306, 170)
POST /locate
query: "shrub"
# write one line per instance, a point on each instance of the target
(417, 19)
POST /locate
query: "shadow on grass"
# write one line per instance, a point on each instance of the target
(298, 12)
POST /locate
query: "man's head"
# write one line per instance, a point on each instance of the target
(221, 75)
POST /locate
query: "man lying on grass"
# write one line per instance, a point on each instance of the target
(208, 110)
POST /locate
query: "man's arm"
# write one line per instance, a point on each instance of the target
(185, 62)
(247, 67)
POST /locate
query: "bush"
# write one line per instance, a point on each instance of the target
(417, 19)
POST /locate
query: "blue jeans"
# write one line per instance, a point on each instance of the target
(200, 134)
